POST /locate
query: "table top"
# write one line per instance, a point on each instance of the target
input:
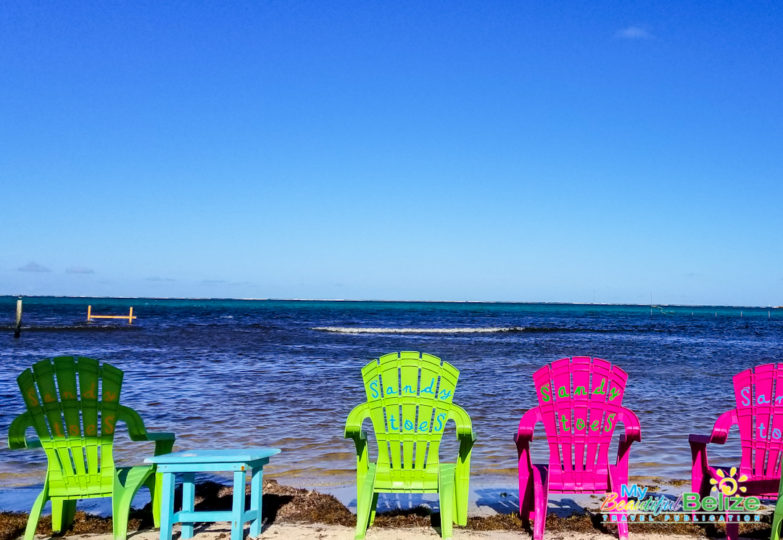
(234, 455)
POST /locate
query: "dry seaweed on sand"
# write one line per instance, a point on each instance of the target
(12, 524)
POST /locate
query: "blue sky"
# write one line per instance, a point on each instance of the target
(521, 151)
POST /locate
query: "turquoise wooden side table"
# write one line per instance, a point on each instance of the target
(189, 462)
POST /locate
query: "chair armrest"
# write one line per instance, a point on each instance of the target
(353, 424)
(633, 432)
(702, 440)
(700, 467)
(466, 437)
(527, 425)
(136, 429)
(164, 442)
(16, 433)
(162, 436)
(464, 426)
(353, 430)
(633, 429)
(720, 431)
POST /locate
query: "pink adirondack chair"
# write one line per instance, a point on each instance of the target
(759, 415)
(580, 404)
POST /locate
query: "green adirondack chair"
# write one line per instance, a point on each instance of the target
(75, 428)
(777, 517)
(409, 402)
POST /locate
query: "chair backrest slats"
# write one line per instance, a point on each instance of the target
(580, 399)
(759, 397)
(74, 404)
(409, 395)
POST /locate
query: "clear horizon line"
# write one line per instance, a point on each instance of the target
(273, 299)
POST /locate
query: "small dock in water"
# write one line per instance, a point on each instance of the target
(129, 317)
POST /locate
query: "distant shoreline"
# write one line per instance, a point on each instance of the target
(349, 300)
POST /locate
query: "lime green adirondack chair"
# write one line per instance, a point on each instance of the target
(777, 517)
(409, 402)
(75, 428)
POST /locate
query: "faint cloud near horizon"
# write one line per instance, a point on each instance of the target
(158, 278)
(79, 270)
(633, 32)
(33, 267)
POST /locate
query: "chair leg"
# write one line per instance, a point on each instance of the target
(732, 531)
(154, 484)
(373, 509)
(541, 494)
(126, 483)
(363, 503)
(776, 521)
(35, 513)
(63, 512)
(461, 496)
(446, 496)
(618, 476)
(622, 525)
(526, 493)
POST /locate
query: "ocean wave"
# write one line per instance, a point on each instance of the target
(355, 330)
(458, 330)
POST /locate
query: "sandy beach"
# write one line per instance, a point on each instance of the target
(320, 531)
(312, 531)
(298, 513)
(303, 531)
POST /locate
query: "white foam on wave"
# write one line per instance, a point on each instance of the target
(353, 330)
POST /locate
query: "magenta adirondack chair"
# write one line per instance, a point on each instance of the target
(580, 404)
(759, 415)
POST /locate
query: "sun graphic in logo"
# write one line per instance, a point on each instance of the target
(729, 485)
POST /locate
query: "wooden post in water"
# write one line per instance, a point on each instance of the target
(18, 326)
(130, 316)
(89, 311)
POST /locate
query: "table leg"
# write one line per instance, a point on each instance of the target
(188, 502)
(238, 508)
(167, 506)
(256, 493)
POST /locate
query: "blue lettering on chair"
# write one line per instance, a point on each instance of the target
(440, 418)
(444, 394)
(429, 389)
(408, 425)
(390, 391)
(374, 389)
(423, 426)
(391, 423)
(408, 389)
(745, 394)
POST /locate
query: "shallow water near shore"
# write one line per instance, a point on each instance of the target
(229, 373)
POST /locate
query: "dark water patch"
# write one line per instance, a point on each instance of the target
(76, 328)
